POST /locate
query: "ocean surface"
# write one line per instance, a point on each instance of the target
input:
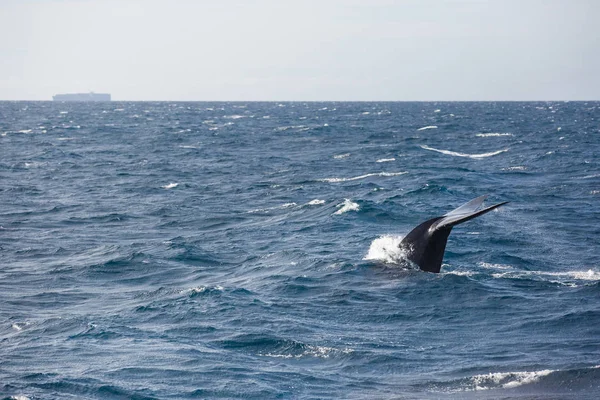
(159, 250)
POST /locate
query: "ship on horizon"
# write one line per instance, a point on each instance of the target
(91, 96)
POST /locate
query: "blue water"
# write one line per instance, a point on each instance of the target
(248, 250)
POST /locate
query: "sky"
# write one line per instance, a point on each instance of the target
(304, 50)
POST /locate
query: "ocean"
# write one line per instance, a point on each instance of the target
(175, 250)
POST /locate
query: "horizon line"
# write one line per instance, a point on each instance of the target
(313, 101)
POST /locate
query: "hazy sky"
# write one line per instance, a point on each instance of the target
(301, 49)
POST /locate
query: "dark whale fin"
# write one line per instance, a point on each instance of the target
(426, 243)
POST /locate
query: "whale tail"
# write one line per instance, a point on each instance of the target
(426, 243)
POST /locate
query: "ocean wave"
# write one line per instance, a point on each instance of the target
(307, 350)
(346, 206)
(567, 278)
(261, 210)
(457, 154)
(427, 127)
(493, 134)
(170, 186)
(507, 380)
(543, 379)
(355, 178)
(340, 156)
(287, 127)
(192, 292)
(590, 176)
(382, 160)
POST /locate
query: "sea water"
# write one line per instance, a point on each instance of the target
(159, 250)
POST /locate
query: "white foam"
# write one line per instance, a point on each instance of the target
(19, 397)
(381, 160)
(507, 380)
(201, 289)
(339, 156)
(589, 275)
(25, 131)
(386, 249)
(566, 278)
(310, 351)
(493, 134)
(494, 266)
(170, 186)
(260, 210)
(346, 206)
(454, 153)
(234, 116)
(437, 111)
(458, 273)
(64, 112)
(316, 202)
(590, 176)
(427, 127)
(187, 146)
(285, 128)
(355, 178)
(515, 168)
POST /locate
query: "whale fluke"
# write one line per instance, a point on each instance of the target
(426, 243)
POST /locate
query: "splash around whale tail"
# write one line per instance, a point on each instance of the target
(427, 242)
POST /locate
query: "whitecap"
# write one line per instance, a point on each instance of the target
(494, 266)
(285, 128)
(590, 176)
(310, 351)
(515, 168)
(565, 278)
(340, 156)
(458, 273)
(316, 202)
(493, 134)
(170, 186)
(200, 289)
(454, 153)
(17, 327)
(355, 178)
(386, 249)
(25, 131)
(187, 146)
(260, 210)
(427, 127)
(507, 380)
(382, 160)
(346, 206)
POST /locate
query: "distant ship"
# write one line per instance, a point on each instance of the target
(91, 96)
